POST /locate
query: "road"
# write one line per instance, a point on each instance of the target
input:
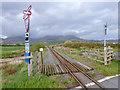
(108, 82)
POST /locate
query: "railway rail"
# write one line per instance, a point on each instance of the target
(69, 66)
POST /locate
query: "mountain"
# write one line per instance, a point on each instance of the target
(59, 37)
(50, 39)
(14, 40)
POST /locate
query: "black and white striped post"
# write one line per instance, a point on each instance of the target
(26, 18)
(105, 48)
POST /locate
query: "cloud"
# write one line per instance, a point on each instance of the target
(85, 19)
(3, 36)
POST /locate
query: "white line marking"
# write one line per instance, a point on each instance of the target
(101, 80)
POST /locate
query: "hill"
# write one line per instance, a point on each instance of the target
(49, 39)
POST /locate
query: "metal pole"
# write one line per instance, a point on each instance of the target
(105, 48)
(42, 61)
(26, 18)
(41, 57)
(29, 48)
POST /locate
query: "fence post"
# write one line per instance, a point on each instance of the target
(38, 61)
(31, 65)
(105, 55)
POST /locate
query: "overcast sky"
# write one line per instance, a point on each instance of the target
(85, 20)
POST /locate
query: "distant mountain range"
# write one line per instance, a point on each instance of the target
(48, 39)
(51, 39)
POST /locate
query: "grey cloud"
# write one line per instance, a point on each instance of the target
(61, 19)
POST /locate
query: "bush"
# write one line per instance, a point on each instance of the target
(10, 70)
(35, 47)
(18, 43)
(87, 44)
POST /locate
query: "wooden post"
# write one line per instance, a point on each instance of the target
(31, 65)
(95, 59)
(39, 61)
(105, 56)
(98, 54)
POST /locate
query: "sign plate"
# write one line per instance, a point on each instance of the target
(27, 48)
(41, 49)
(27, 52)
(27, 60)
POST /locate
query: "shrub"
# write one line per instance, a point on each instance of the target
(68, 41)
(10, 70)
(18, 43)
(87, 44)
(35, 47)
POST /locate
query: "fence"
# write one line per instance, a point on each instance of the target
(102, 57)
(35, 64)
(98, 55)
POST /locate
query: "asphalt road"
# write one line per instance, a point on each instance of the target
(110, 82)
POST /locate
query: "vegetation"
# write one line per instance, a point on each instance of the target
(88, 44)
(15, 75)
(35, 47)
(6, 52)
(19, 78)
(68, 41)
(18, 43)
(111, 69)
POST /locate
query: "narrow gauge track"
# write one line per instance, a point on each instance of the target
(67, 66)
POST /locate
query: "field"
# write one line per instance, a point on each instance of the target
(6, 52)
(16, 75)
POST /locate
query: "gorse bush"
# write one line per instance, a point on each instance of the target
(35, 47)
(87, 44)
(18, 44)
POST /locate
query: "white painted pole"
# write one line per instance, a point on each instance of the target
(29, 48)
(26, 18)
(105, 48)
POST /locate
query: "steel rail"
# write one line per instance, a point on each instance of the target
(97, 83)
(69, 71)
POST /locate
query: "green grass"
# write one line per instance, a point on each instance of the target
(108, 70)
(20, 79)
(7, 51)
(15, 75)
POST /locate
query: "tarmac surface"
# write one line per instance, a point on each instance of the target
(110, 82)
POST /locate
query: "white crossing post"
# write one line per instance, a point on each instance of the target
(105, 48)
(26, 18)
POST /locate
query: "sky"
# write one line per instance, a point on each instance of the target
(83, 19)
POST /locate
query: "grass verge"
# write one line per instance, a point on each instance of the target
(108, 70)
(7, 51)
(19, 79)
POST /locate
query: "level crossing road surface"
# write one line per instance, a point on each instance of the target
(110, 82)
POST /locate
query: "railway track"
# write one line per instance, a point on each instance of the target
(69, 67)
